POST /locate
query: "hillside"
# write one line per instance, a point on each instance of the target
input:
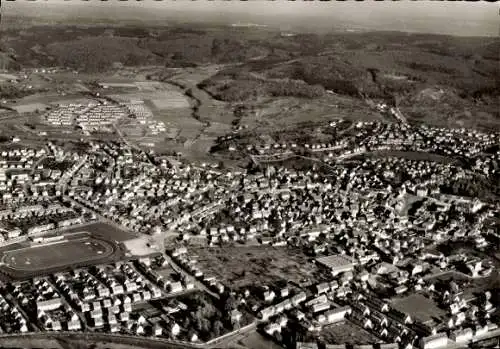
(399, 69)
(261, 63)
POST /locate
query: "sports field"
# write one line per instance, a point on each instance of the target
(104, 231)
(55, 255)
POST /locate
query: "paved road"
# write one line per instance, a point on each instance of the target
(179, 269)
(67, 302)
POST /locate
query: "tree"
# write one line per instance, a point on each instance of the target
(217, 328)
(230, 303)
(197, 321)
(278, 337)
(205, 325)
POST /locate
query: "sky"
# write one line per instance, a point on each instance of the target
(460, 18)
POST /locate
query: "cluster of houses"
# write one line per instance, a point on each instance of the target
(385, 244)
(66, 114)
(156, 127)
(350, 300)
(104, 298)
(44, 305)
(90, 116)
(37, 217)
(100, 116)
(117, 180)
(31, 174)
(370, 136)
(169, 285)
(139, 111)
(181, 256)
(82, 299)
(378, 224)
(11, 319)
(16, 170)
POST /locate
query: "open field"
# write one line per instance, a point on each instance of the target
(7, 77)
(167, 98)
(29, 108)
(58, 254)
(255, 340)
(149, 85)
(171, 100)
(47, 98)
(167, 272)
(118, 84)
(473, 287)
(274, 114)
(418, 307)
(72, 340)
(203, 143)
(246, 266)
(347, 333)
(139, 247)
(24, 342)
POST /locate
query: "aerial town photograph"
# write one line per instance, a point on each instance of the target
(249, 175)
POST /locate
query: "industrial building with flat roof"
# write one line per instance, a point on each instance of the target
(337, 263)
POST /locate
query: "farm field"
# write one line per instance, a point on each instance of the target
(347, 333)
(166, 98)
(419, 307)
(180, 118)
(203, 144)
(171, 100)
(246, 266)
(217, 128)
(281, 113)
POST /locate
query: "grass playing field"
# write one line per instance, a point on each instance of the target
(59, 254)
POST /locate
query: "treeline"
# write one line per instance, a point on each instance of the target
(331, 74)
(97, 54)
(10, 91)
(196, 48)
(209, 318)
(480, 188)
(425, 67)
(294, 88)
(241, 87)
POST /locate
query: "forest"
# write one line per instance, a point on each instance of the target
(391, 66)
